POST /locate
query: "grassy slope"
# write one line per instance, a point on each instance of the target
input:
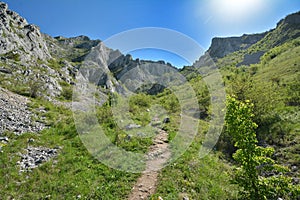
(270, 85)
(190, 176)
(283, 71)
(74, 172)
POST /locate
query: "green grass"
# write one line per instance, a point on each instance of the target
(272, 86)
(73, 172)
(205, 178)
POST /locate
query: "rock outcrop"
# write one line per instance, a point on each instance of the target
(20, 40)
(249, 48)
(26, 65)
(221, 47)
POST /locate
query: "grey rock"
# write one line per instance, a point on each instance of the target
(253, 58)
(4, 139)
(15, 115)
(132, 126)
(128, 137)
(18, 37)
(295, 180)
(294, 168)
(35, 156)
(6, 71)
(221, 47)
(167, 120)
(140, 134)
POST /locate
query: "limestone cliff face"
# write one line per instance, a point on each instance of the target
(221, 47)
(19, 39)
(115, 71)
(291, 20)
(249, 48)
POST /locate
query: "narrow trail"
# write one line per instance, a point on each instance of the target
(157, 156)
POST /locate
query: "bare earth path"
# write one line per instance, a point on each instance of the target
(157, 156)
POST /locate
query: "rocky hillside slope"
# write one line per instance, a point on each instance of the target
(248, 49)
(36, 64)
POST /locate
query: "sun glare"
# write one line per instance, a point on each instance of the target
(235, 10)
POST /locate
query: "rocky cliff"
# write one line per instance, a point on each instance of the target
(19, 39)
(221, 47)
(247, 49)
(47, 66)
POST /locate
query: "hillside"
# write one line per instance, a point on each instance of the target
(47, 85)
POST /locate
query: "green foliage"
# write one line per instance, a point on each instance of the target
(276, 51)
(169, 101)
(202, 94)
(12, 55)
(294, 92)
(206, 178)
(272, 87)
(67, 91)
(55, 64)
(254, 160)
(4, 34)
(116, 134)
(138, 105)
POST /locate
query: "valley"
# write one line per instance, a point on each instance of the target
(56, 92)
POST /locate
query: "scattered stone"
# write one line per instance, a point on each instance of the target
(30, 140)
(140, 134)
(166, 120)
(295, 180)
(6, 71)
(15, 115)
(132, 126)
(35, 156)
(128, 137)
(294, 168)
(4, 139)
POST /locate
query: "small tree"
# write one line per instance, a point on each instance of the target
(254, 161)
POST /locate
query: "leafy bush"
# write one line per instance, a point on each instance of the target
(254, 161)
(12, 55)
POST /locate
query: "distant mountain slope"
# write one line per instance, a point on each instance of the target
(247, 49)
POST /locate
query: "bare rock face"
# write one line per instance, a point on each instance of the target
(221, 47)
(257, 44)
(20, 40)
(292, 20)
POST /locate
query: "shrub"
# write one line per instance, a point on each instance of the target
(254, 161)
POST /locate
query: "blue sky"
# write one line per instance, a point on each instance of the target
(199, 19)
